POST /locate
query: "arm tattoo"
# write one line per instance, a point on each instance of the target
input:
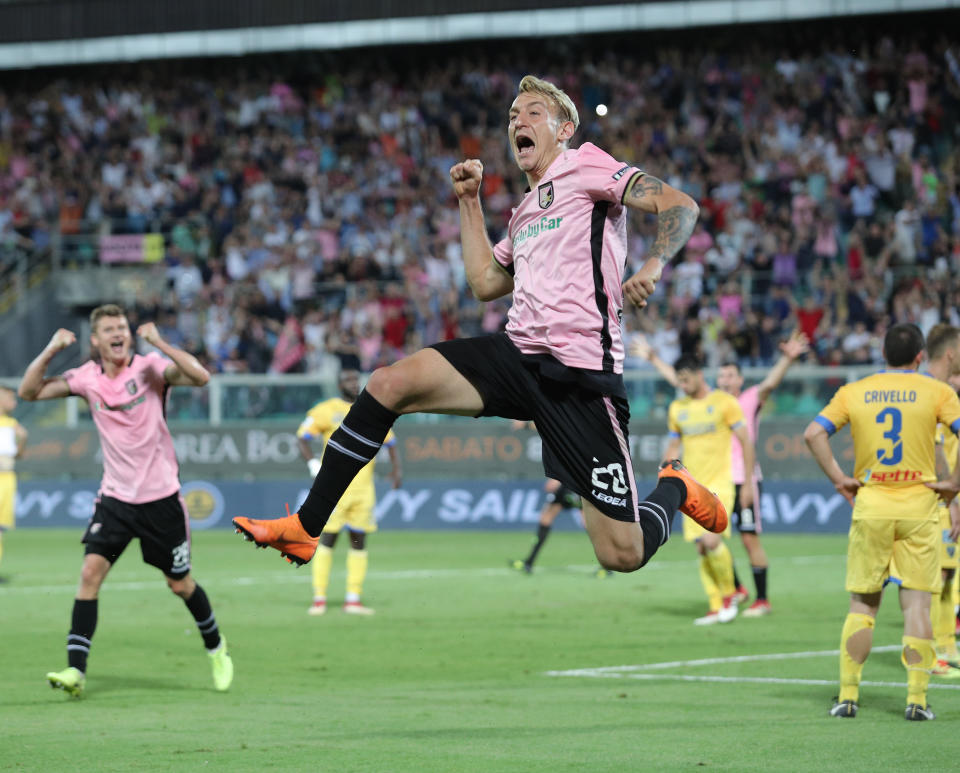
(674, 227)
(646, 185)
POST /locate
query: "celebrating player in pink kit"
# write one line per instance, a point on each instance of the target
(747, 520)
(560, 361)
(140, 491)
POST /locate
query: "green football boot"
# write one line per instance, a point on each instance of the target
(222, 666)
(70, 680)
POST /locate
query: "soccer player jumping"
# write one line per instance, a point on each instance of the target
(560, 361)
(140, 492)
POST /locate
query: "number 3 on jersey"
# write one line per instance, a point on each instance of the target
(893, 455)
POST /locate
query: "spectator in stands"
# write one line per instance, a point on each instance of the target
(273, 193)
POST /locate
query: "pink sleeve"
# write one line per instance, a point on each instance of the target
(78, 379)
(503, 254)
(601, 175)
(751, 403)
(156, 364)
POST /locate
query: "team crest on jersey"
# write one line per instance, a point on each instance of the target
(545, 192)
(131, 386)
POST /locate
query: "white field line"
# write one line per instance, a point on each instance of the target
(291, 576)
(713, 661)
(631, 672)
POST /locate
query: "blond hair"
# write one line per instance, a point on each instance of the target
(566, 110)
(107, 310)
(941, 337)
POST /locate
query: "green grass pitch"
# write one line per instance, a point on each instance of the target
(453, 673)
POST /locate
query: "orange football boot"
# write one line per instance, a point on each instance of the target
(284, 534)
(701, 504)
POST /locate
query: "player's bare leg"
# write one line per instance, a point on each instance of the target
(618, 544)
(626, 546)
(424, 382)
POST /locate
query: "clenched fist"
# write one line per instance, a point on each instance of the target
(641, 285)
(149, 333)
(466, 177)
(61, 340)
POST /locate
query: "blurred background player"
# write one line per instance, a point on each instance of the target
(13, 438)
(747, 521)
(702, 424)
(139, 495)
(355, 510)
(893, 417)
(558, 499)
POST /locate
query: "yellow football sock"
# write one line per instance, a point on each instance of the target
(721, 565)
(942, 618)
(714, 596)
(356, 572)
(855, 642)
(918, 657)
(322, 561)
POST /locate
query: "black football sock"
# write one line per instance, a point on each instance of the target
(82, 626)
(656, 514)
(349, 449)
(542, 532)
(760, 580)
(199, 606)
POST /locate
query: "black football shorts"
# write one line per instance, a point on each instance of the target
(747, 520)
(584, 432)
(161, 526)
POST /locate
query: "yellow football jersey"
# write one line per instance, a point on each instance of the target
(322, 421)
(705, 426)
(893, 417)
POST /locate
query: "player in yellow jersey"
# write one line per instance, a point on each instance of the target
(943, 363)
(703, 423)
(730, 380)
(354, 510)
(893, 415)
(13, 437)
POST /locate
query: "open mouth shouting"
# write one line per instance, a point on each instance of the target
(525, 146)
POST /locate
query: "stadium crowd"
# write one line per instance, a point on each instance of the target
(307, 214)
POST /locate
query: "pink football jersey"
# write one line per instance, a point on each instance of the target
(566, 249)
(749, 400)
(139, 463)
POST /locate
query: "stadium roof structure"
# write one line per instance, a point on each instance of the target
(38, 33)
